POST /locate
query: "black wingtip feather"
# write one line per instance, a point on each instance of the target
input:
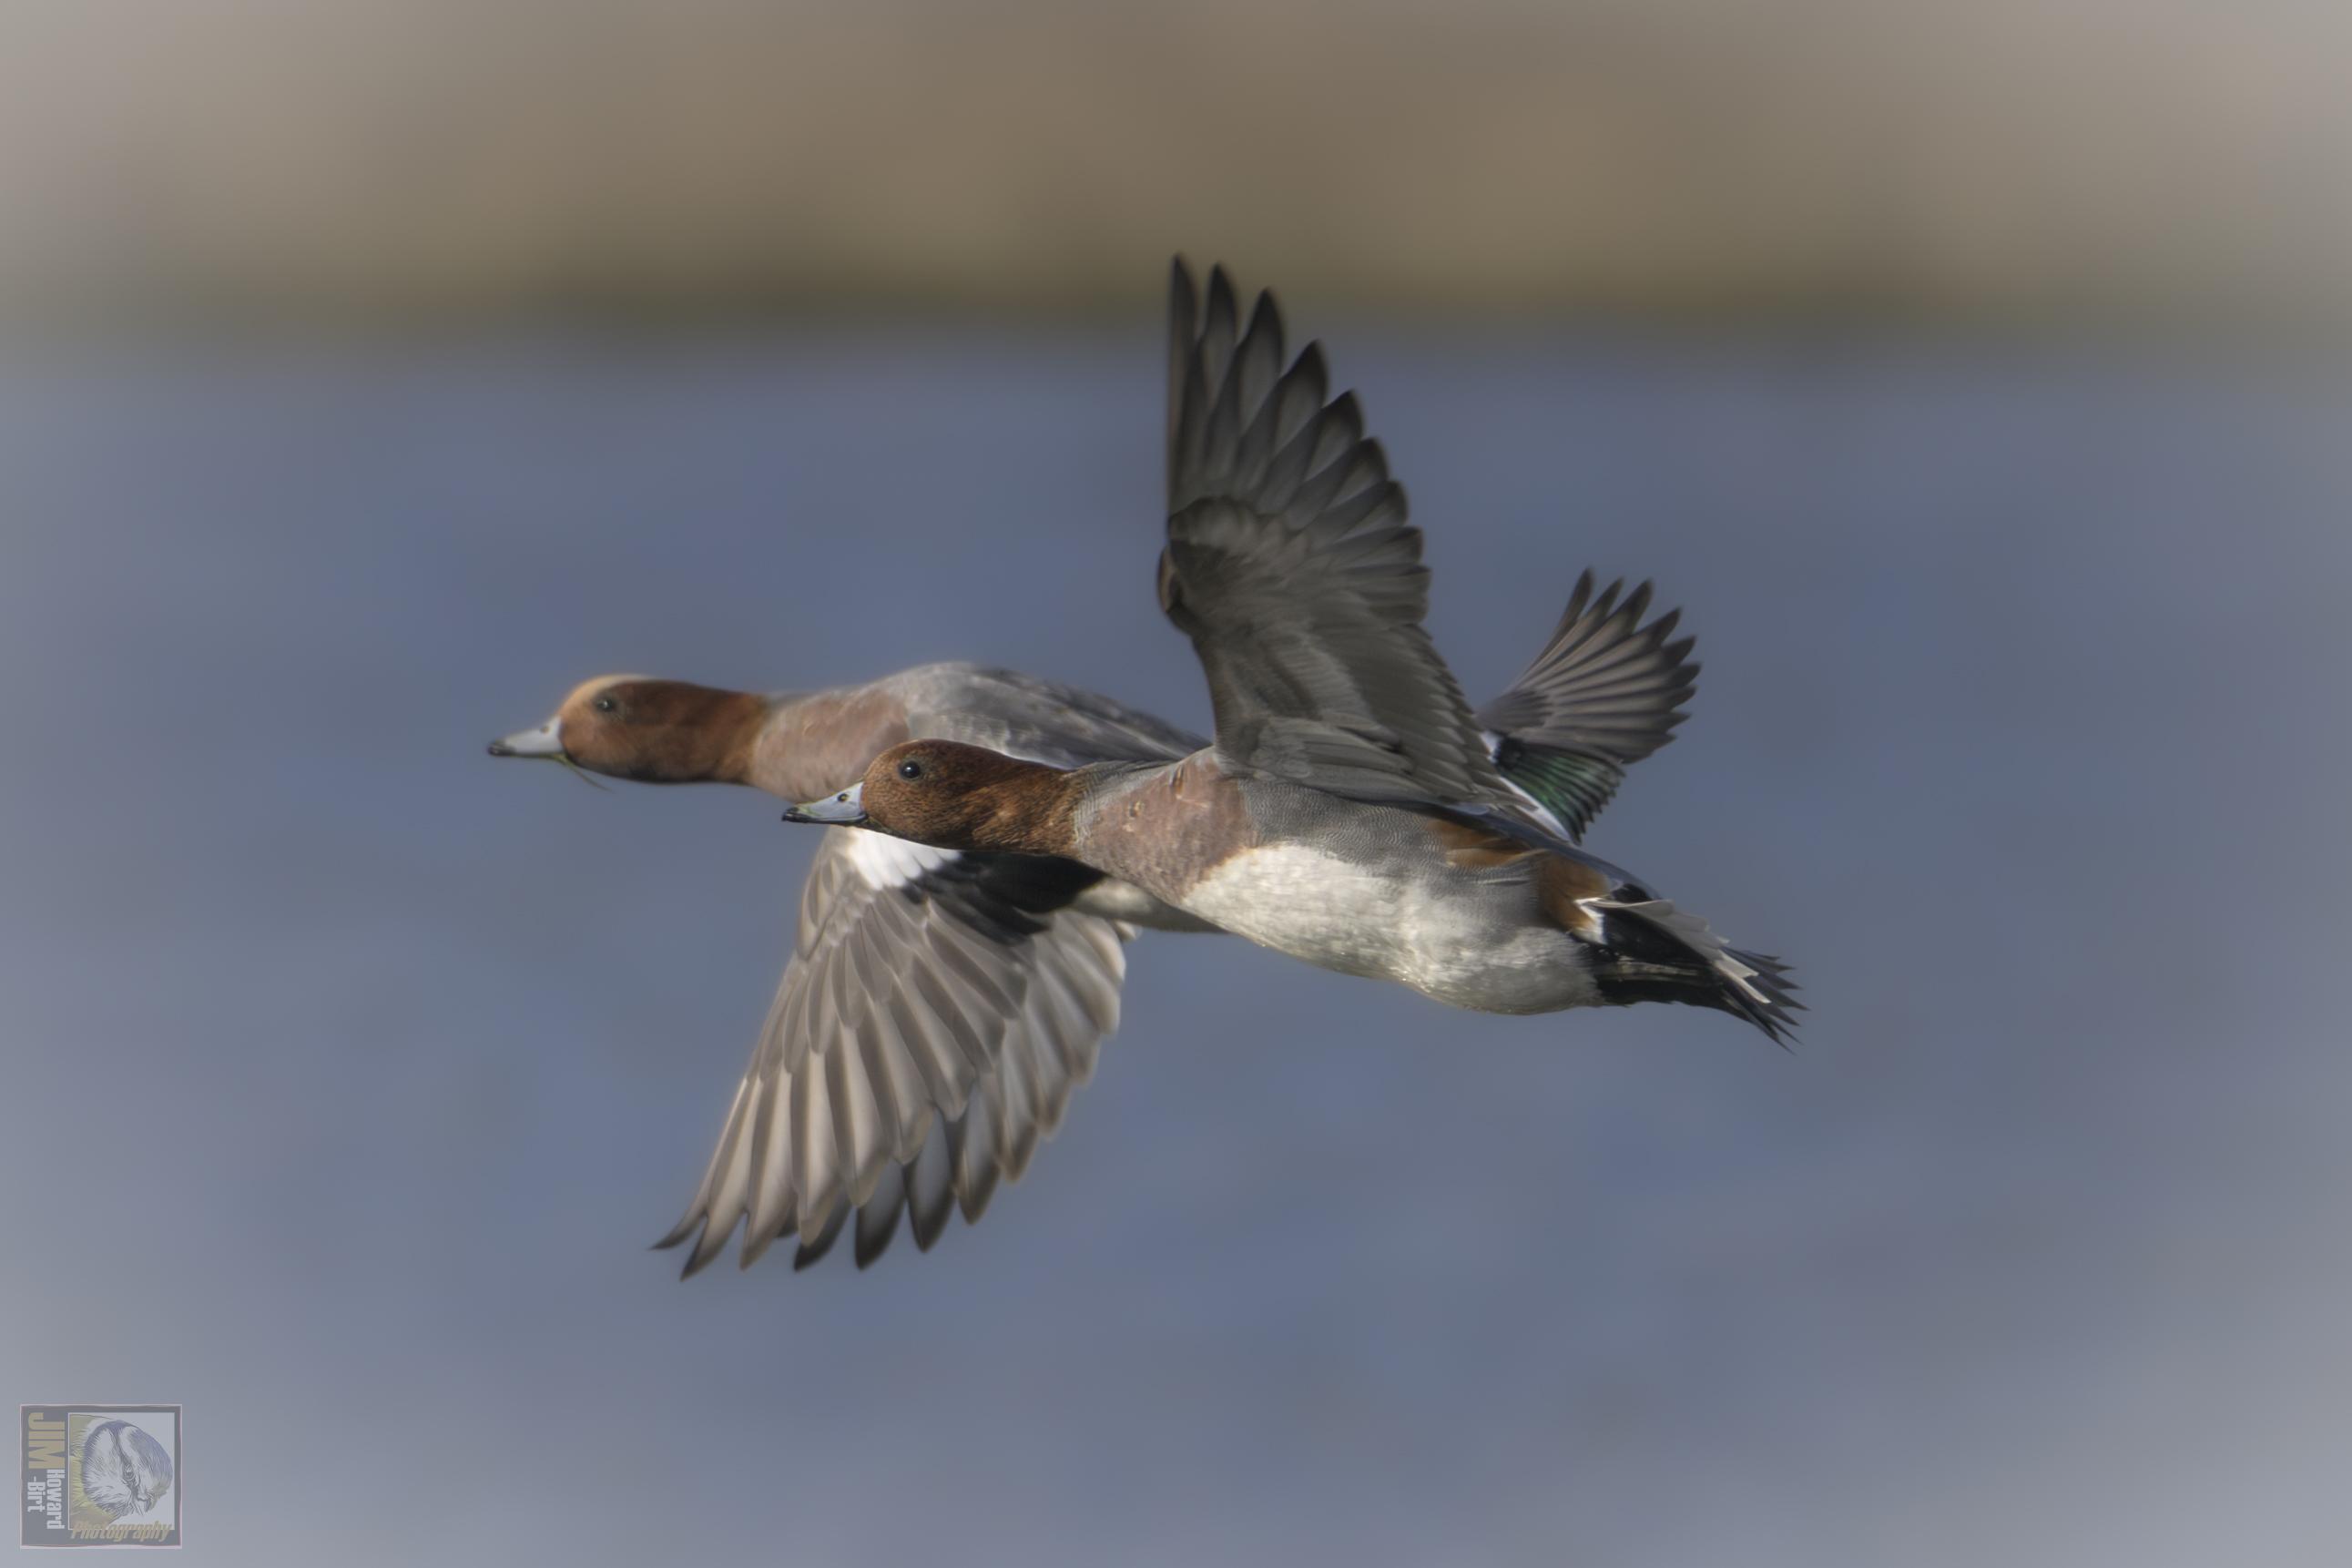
(699, 1257)
(1223, 313)
(1266, 316)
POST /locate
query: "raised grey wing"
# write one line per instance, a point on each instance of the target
(1605, 692)
(937, 1013)
(1291, 565)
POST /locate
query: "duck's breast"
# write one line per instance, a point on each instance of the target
(1167, 830)
(1359, 889)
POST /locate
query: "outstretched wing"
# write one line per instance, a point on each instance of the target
(1606, 691)
(938, 1010)
(937, 1013)
(1292, 567)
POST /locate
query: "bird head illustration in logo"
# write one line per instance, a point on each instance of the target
(123, 1470)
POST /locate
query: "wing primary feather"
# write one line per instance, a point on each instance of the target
(878, 1218)
(812, 1144)
(1182, 313)
(930, 1188)
(816, 1243)
(974, 1148)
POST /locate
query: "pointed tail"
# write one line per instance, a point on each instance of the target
(1652, 951)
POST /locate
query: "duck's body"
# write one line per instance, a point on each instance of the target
(1465, 906)
(1472, 918)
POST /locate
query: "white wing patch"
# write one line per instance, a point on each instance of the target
(882, 862)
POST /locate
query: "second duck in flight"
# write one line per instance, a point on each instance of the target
(1350, 812)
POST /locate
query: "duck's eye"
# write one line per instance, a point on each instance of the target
(606, 705)
(910, 769)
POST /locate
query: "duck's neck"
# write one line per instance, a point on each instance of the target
(1035, 812)
(807, 744)
(688, 734)
(735, 736)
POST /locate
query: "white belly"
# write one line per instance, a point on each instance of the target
(1468, 940)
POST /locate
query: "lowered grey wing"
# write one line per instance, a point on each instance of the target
(937, 1014)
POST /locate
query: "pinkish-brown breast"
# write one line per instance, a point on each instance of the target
(1166, 828)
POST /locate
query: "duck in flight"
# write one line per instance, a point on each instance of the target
(1350, 811)
(941, 1005)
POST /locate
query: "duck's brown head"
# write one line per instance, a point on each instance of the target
(655, 731)
(957, 798)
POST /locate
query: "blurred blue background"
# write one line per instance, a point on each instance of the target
(349, 1070)
(1971, 378)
